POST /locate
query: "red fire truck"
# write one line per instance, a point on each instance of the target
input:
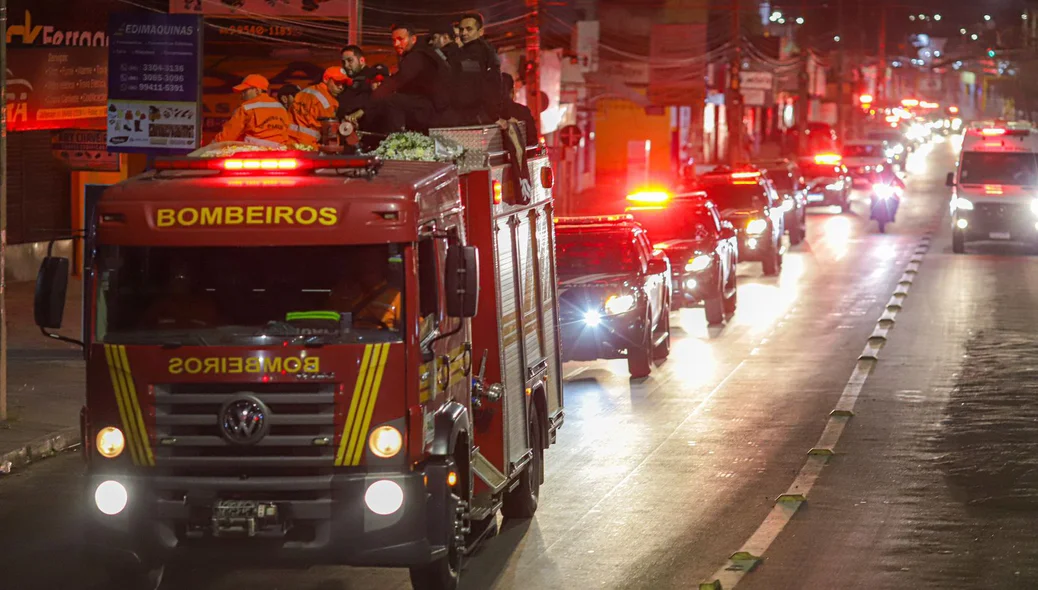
(310, 359)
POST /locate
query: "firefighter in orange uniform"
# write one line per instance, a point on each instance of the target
(317, 102)
(260, 120)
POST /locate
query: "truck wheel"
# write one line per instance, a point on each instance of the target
(715, 306)
(522, 501)
(958, 242)
(135, 576)
(639, 356)
(444, 573)
(662, 351)
(732, 300)
(772, 261)
(796, 232)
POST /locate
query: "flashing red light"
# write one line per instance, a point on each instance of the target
(992, 189)
(649, 196)
(497, 191)
(248, 163)
(953, 110)
(910, 102)
(237, 164)
(865, 98)
(828, 159)
(992, 131)
(929, 105)
(743, 175)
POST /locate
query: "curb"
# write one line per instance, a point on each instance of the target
(41, 448)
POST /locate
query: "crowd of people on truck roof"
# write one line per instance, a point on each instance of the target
(448, 78)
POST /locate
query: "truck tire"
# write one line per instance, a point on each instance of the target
(445, 573)
(639, 356)
(732, 300)
(796, 231)
(715, 306)
(958, 242)
(662, 351)
(134, 576)
(772, 261)
(522, 501)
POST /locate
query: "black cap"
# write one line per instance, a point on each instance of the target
(288, 90)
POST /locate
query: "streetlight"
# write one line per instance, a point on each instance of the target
(800, 20)
(974, 36)
(911, 17)
(962, 31)
(836, 38)
(937, 17)
(987, 17)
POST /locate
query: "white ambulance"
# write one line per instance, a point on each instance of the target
(994, 186)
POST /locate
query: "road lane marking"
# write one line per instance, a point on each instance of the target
(751, 554)
(695, 411)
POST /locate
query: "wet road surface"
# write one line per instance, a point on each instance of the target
(654, 483)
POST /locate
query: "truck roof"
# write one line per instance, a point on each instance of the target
(367, 201)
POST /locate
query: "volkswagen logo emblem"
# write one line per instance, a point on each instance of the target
(244, 420)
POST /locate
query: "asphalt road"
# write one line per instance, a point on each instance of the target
(654, 483)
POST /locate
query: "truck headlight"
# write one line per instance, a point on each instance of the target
(1034, 206)
(698, 263)
(756, 226)
(966, 205)
(384, 497)
(619, 304)
(110, 497)
(385, 441)
(110, 442)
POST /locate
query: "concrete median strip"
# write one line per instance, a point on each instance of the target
(752, 552)
(40, 448)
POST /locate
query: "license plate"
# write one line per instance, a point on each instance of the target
(998, 235)
(243, 517)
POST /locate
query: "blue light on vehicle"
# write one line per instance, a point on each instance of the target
(592, 318)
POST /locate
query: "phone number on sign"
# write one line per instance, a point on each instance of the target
(162, 87)
(163, 78)
(163, 68)
(260, 31)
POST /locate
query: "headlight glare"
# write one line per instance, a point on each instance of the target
(698, 263)
(384, 497)
(110, 442)
(966, 205)
(385, 441)
(1034, 206)
(619, 304)
(592, 318)
(756, 226)
(111, 497)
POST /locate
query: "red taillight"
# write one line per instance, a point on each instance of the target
(268, 164)
(828, 159)
(497, 191)
(992, 131)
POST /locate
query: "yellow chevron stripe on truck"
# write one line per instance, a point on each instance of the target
(129, 405)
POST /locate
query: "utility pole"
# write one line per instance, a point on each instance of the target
(532, 78)
(734, 100)
(804, 84)
(881, 69)
(841, 122)
(354, 35)
(3, 211)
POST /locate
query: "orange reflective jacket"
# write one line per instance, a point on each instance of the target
(261, 120)
(312, 105)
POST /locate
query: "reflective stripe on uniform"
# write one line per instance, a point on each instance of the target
(308, 131)
(259, 105)
(320, 97)
(263, 142)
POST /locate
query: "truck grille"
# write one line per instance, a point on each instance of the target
(299, 443)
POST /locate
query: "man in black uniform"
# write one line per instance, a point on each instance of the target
(357, 94)
(476, 71)
(415, 97)
(520, 112)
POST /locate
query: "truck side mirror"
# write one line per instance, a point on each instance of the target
(950, 180)
(657, 266)
(51, 288)
(462, 281)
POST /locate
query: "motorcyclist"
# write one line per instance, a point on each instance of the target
(887, 189)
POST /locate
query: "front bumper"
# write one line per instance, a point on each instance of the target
(330, 523)
(997, 221)
(690, 289)
(609, 339)
(754, 248)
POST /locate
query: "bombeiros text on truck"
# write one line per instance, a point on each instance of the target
(301, 358)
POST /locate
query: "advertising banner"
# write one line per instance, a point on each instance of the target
(294, 8)
(56, 88)
(153, 82)
(84, 149)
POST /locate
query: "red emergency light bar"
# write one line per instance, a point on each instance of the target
(593, 219)
(266, 163)
(828, 159)
(745, 175)
(649, 196)
(992, 131)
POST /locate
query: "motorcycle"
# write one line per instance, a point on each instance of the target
(885, 199)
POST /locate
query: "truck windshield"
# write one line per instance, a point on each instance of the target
(609, 252)
(249, 295)
(999, 168)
